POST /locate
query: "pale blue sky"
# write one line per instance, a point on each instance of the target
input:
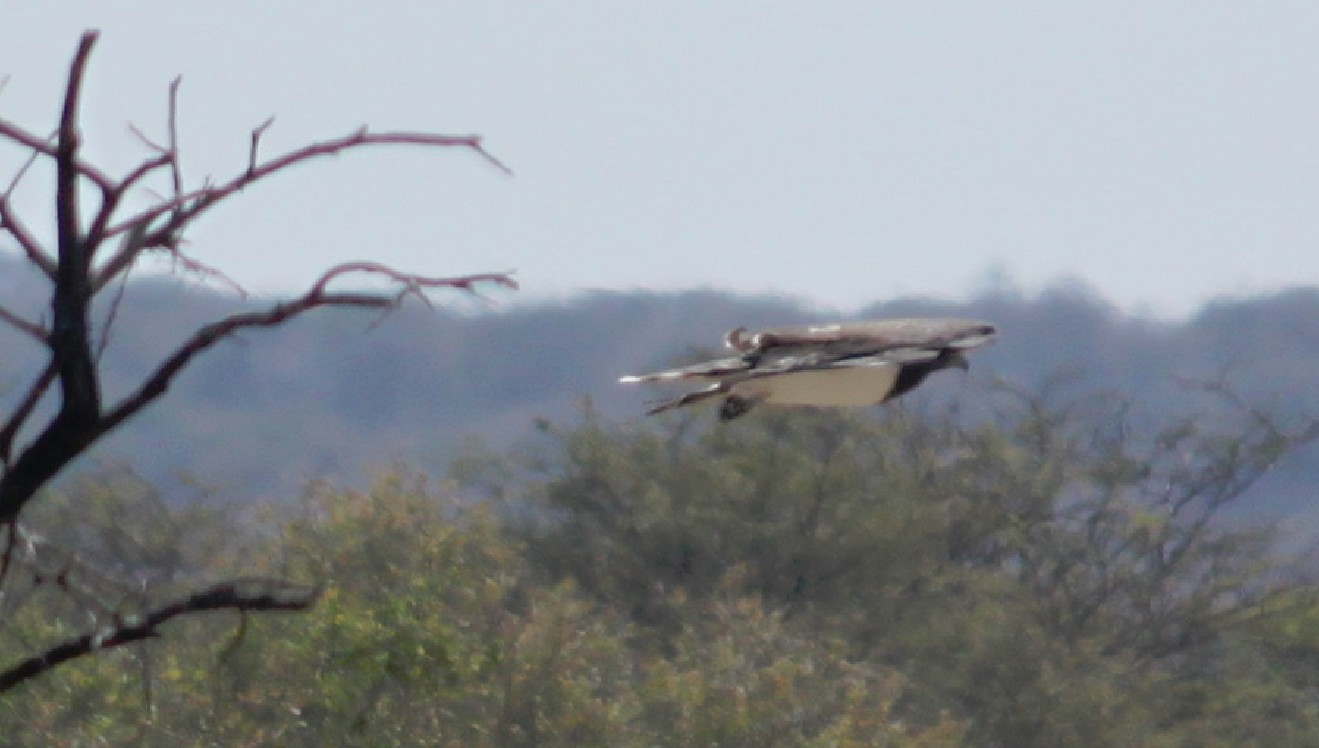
(842, 152)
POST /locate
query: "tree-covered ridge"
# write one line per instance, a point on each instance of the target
(332, 396)
(1051, 576)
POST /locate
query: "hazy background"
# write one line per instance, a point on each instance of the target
(1129, 191)
(840, 153)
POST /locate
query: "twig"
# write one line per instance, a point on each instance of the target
(240, 595)
(46, 564)
(148, 142)
(176, 170)
(159, 380)
(44, 147)
(205, 271)
(11, 539)
(257, 132)
(20, 414)
(412, 283)
(110, 315)
(31, 247)
(18, 175)
(184, 208)
(204, 198)
(31, 329)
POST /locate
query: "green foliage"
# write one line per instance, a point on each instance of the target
(435, 632)
(1057, 576)
(1047, 578)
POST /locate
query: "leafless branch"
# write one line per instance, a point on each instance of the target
(22, 171)
(9, 222)
(240, 595)
(31, 329)
(21, 413)
(172, 123)
(81, 420)
(167, 155)
(35, 254)
(11, 540)
(111, 315)
(185, 208)
(97, 592)
(204, 271)
(44, 147)
(257, 132)
(146, 140)
(72, 299)
(158, 382)
(65, 438)
(412, 283)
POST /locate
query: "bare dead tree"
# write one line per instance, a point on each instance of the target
(93, 254)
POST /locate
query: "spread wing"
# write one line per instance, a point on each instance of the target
(724, 383)
(716, 369)
(868, 338)
(804, 347)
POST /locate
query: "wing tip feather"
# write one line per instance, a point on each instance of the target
(659, 376)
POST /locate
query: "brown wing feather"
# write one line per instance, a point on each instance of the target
(875, 336)
(778, 350)
(715, 369)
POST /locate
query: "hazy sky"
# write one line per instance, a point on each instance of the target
(844, 152)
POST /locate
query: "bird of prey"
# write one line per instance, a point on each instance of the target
(844, 364)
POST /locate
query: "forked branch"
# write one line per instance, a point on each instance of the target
(78, 274)
(159, 226)
(207, 336)
(240, 595)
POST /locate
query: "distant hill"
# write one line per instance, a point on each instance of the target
(333, 394)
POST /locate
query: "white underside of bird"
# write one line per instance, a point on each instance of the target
(842, 386)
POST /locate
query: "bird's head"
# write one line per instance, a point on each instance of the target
(954, 359)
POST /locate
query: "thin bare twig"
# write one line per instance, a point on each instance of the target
(110, 315)
(187, 207)
(11, 539)
(257, 132)
(22, 170)
(239, 595)
(9, 222)
(25, 407)
(410, 282)
(31, 247)
(204, 198)
(176, 170)
(148, 142)
(110, 201)
(159, 380)
(204, 271)
(44, 147)
(31, 329)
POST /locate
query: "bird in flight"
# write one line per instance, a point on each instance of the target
(843, 364)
